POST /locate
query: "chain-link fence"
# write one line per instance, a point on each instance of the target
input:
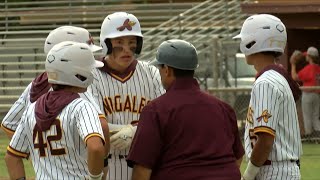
(239, 99)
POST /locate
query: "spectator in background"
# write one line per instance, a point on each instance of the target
(309, 76)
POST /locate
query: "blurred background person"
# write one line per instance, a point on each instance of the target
(309, 76)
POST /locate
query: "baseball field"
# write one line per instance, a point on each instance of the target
(310, 161)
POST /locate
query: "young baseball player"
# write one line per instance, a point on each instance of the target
(123, 86)
(61, 132)
(183, 140)
(40, 84)
(272, 136)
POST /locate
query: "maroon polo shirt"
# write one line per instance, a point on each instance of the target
(187, 134)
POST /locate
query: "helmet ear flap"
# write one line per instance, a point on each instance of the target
(139, 45)
(109, 45)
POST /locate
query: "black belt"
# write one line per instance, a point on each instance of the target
(120, 156)
(268, 162)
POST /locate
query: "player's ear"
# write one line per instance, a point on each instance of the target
(168, 71)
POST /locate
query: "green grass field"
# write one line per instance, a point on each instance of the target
(310, 161)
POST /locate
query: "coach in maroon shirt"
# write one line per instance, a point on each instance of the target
(185, 133)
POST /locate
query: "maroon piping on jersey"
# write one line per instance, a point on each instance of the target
(293, 85)
(39, 87)
(49, 106)
(108, 70)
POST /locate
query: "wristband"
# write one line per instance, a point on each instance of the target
(95, 177)
(251, 171)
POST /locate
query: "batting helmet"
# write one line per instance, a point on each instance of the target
(178, 54)
(120, 24)
(70, 63)
(69, 33)
(262, 33)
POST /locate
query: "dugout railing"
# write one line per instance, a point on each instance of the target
(26, 24)
(46, 15)
(198, 24)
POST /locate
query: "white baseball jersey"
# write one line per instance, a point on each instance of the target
(122, 99)
(272, 110)
(60, 152)
(12, 119)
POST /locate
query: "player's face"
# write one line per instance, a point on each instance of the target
(308, 59)
(123, 52)
(250, 59)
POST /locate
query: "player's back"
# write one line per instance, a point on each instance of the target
(60, 152)
(287, 139)
(12, 119)
(189, 113)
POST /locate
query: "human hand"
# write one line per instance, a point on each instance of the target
(295, 57)
(122, 139)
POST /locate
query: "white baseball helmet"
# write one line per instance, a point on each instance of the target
(262, 33)
(70, 63)
(69, 33)
(119, 24)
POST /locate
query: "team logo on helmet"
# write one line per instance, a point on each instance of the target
(127, 24)
(280, 28)
(50, 58)
(265, 116)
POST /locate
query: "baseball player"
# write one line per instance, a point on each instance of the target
(40, 84)
(272, 136)
(123, 86)
(61, 132)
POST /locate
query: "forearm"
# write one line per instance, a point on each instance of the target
(95, 163)
(294, 73)
(141, 173)
(96, 153)
(262, 149)
(15, 167)
(259, 155)
(105, 129)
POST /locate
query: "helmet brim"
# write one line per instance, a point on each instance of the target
(155, 62)
(237, 36)
(98, 64)
(94, 48)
